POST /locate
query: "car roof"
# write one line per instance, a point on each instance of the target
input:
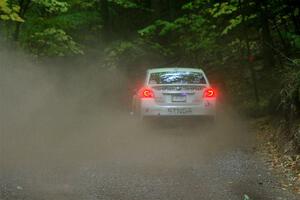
(166, 69)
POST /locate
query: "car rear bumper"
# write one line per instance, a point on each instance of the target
(151, 108)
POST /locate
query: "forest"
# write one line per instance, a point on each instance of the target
(249, 48)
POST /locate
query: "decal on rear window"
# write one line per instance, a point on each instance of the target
(178, 77)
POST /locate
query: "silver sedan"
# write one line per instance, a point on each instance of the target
(178, 92)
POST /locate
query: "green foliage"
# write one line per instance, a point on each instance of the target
(9, 12)
(53, 42)
(293, 39)
(246, 197)
(84, 4)
(147, 31)
(52, 26)
(74, 21)
(221, 35)
(123, 53)
(232, 11)
(124, 3)
(233, 23)
(190, 34)
(290, 91)
(160, 27)
(113, 53)
(296, 39)
(225, 8)
(53, 6)
(196, 5)
(296, 12)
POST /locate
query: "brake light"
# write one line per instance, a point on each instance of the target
(209, 93)
(146, 93)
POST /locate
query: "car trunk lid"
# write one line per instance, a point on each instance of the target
(178, 94)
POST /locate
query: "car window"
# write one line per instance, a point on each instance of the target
(177, 77)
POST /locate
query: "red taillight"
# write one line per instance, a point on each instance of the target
(209, 93)
(146, 93)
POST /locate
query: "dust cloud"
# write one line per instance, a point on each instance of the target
(57, 121)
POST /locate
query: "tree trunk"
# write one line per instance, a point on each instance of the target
(156, 6)
(267, 43)
(292, 6)
(24, 5)
(107, 28)
(172, 9)
(249, 53)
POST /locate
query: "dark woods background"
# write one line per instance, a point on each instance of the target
(249, 48)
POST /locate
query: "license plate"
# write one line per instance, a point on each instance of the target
(180, 111)
(179, 98)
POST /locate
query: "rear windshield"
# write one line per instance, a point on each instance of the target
(179, 77)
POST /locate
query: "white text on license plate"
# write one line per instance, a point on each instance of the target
(180, 111)
(178, 98)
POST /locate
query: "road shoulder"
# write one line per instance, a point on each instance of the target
(284, 165)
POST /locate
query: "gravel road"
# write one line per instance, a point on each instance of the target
(63, 137)
(100, 157)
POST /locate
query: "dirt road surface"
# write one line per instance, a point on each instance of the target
(113, 157)
(65, 135)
